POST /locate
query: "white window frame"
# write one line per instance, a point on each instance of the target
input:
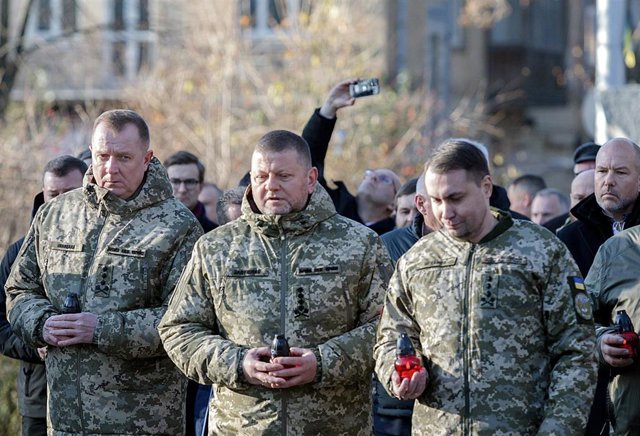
(131, 36)
(261, 29)
(55, 21)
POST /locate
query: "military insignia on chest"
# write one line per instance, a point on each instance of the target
(301, 310)
(489, 292)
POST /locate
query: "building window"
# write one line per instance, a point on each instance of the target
(69, 23)
(118, 15)
(143, 15)
(118, 58)
(53, 17)
(44, 15)
(261, 17)
(131, 37)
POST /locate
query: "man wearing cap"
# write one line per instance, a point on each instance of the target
(584, 158)
(613, 207)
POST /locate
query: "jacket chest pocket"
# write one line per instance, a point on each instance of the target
(321, 295)
(64, 270)
(248, 305)
(250, 293)
(120, 280)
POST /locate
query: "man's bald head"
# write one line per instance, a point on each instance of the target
(582, 186)
(617, 177)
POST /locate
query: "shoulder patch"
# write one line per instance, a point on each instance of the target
(581, 301)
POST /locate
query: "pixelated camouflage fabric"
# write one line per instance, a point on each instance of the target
(314, 276)
(506, 350)
(123, 259)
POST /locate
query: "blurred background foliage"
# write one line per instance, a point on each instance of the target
(214, 92)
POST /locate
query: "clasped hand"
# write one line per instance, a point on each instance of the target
(297, 369)
(70, 329)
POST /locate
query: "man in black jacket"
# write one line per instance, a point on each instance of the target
(374, 202)
(61, 174)
(376, 213)
(613, 207)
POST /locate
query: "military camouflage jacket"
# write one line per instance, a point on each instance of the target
(504, 328)
(314, 276)
(614, 283)
(123, 259)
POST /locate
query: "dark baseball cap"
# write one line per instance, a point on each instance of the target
(586, 152)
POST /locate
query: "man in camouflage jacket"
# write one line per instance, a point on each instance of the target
(120, 244)
(496, 310)
(614, 285)
(290, 265)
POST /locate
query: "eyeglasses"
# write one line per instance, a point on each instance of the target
(382, 177)
(188, 183)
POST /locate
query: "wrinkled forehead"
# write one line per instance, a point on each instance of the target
(276, 161)
(618, 153)
(444, 184)
(388, 173)
(106, 135)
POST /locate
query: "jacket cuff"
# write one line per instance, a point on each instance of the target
(600, 333)
(318, 377)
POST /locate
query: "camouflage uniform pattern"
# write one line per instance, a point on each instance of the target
(123, 259)
(314, 276)
(614, 284)
(506, 351)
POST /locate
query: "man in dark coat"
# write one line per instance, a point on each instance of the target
(374, 202)
(613, 207)
(61, 174)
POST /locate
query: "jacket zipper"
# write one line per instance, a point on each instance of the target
(466, 358)
(283, 307)
(84, 298)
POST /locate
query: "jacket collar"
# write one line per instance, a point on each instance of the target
(319, 208)
(504, 223)
(155, 187)
(589, 212)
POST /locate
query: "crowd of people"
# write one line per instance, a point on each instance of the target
(144, 300)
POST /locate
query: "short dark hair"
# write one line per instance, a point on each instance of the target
(278, 141)
(458, 154)
(63, 165)
(563, 199)
(530, 183)
(185, 158)
(228, 197)
(117, 119)
(408, 188)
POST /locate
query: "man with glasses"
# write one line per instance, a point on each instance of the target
(186, 174)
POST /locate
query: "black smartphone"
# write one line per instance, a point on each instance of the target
(364, 87)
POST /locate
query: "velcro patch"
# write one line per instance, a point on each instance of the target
(329, 269)
(250, 272)
(581, 301)
(125, 252)
(66, 247)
